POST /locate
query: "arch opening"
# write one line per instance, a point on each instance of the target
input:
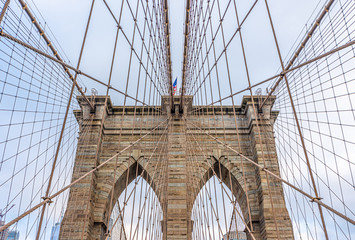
(137, 212)
(219, 207)
(214, 215)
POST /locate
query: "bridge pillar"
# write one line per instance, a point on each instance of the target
(78, 222)
(270, 197)
(177, 212)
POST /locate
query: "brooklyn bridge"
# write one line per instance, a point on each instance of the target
(177, 120)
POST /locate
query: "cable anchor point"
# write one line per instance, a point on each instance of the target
(49, 200)
(315, 199)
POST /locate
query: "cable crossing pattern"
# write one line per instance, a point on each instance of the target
(224, 159)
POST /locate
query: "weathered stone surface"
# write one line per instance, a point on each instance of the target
(89, 205)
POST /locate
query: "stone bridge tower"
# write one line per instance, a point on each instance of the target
(89, 219)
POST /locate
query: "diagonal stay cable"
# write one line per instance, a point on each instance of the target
(224, 49)
(301, 47)
(131, 46)
(54, 51)
(283, 73)
(137, 181)
(223, 189)
(296, 117)
(3, 10)
(64, 123)
(313, 199)
(48, 200)
(8, 36)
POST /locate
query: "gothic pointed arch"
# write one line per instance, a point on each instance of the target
(231, 176)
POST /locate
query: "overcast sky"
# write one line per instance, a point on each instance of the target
(67, 20)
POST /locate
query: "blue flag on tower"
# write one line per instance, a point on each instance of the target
(174, 86)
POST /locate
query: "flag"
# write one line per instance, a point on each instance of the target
(174, 86)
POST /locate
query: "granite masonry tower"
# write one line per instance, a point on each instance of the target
(89, 220)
